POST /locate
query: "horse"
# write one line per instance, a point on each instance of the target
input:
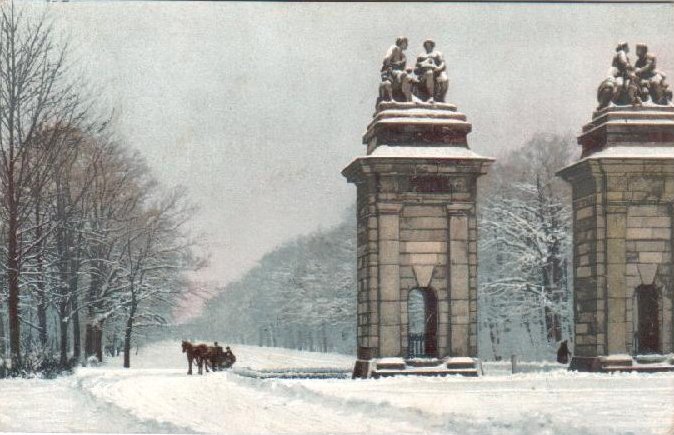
(198, 352)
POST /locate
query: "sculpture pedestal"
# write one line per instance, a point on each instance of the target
(416, 233)
(623, 191)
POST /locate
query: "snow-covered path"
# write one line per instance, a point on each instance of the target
(157, 396)
(555, 402)
(225, 401)
(40, 405)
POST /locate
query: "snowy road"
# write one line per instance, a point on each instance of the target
(37, 405)
(157, 396)
(558, 402)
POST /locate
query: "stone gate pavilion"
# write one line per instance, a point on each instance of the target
(417, 242)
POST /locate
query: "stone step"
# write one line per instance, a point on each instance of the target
(638, 369)
(430, 362)
(426, 372)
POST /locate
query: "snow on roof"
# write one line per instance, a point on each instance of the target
(420, 112)
(391, 360)
(461, 360)
(426, 152)
(653, 152)
(616, 357)
(425, 120)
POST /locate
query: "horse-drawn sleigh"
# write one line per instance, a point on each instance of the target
(205, 355)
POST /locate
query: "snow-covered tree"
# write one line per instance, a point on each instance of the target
(524, 243)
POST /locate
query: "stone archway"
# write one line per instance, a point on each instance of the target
(422, 318)
(647, 328)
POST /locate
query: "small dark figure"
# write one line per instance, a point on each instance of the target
(563, 353)
(216, 357)
(229, 358)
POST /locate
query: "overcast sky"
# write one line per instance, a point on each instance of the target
(257, 107)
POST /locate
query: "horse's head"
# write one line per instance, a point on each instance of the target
(186, 344)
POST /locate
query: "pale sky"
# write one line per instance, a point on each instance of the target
(257, 107)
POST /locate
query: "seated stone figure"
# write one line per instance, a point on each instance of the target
(650, 81)
(396, 79)
(619, 87)
(430, 71)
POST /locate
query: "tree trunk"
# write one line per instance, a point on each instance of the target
(64, 341)
(3, 349)
(77, 343)
(494, 341)
(98, 341)
(94, 331)
(41, 293)
(93, 341)
(88, 340)
(42, 314)
(324, 338)
(13, 281)
(127, 334)
(54, 343)
(64, 278)
(74, 291)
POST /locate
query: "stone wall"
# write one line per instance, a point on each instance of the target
(622, 240)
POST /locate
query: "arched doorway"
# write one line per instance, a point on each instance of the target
(422, 321)
(647, 322)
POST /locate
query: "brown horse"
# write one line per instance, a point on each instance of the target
(195, 352)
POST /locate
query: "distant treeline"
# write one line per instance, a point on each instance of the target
(299, 296)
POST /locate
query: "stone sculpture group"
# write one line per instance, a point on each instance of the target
(626, 84)
(427, 81)
(629, 84)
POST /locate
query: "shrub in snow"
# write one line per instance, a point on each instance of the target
(37, 363)
(92, 361)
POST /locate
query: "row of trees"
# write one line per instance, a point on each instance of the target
(89, 239)
(299, 296)
(302, 295)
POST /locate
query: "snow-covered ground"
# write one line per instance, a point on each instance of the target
(157, 396)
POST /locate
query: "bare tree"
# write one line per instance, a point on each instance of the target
(118, 191)
(38, 107)
(156, 252)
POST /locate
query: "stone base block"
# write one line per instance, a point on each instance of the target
(363, 369)
(585, 364)
(618, 364)
(386, 367)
